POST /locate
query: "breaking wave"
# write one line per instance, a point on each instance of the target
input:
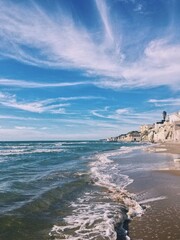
(101, 214)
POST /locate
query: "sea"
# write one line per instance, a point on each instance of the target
(70, 189)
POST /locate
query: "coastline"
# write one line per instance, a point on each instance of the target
(161, 219)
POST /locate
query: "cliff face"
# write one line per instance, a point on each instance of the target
(133, 136)
(161, 132)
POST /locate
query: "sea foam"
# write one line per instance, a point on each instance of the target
(95, 215)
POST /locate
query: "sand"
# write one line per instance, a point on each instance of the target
(170, 171)
(161, 221)
(173, 148)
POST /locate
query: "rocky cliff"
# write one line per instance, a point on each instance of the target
(133, 136)
(161, 132)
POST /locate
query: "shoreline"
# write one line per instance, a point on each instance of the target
(160, 186)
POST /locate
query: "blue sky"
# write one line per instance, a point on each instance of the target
(86, 69)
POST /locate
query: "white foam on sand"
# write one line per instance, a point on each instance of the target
(108, 174)
(152, 199)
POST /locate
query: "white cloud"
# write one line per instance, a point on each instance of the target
(24, 128)
(138, 8)
(106, 113)
(58, 111)
(158, 66)
(103, 11)
(34, 37)
(30, 84)
(12, 117)
(36, 107)
(165, 102)
(121, 111)
(51, 105)
(97, 113)
(128, 117)
(80, 98)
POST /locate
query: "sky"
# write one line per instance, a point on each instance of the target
(86, 69)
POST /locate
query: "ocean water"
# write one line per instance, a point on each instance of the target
(69, 189)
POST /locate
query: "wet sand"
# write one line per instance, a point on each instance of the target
(161, 220)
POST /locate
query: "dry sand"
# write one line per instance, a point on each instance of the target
(175, 172)
(173, 148)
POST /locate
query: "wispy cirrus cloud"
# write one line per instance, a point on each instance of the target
(69, 44)
(12, 117)
(51, 105)
(10, 100)
(105, 113)
(103, 12)
(165, 102)
(31, 84)
(24, 128)
(66, 45)
(158, 66)
(128, 116)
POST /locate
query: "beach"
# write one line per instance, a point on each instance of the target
(173, 148)
(161, 219)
